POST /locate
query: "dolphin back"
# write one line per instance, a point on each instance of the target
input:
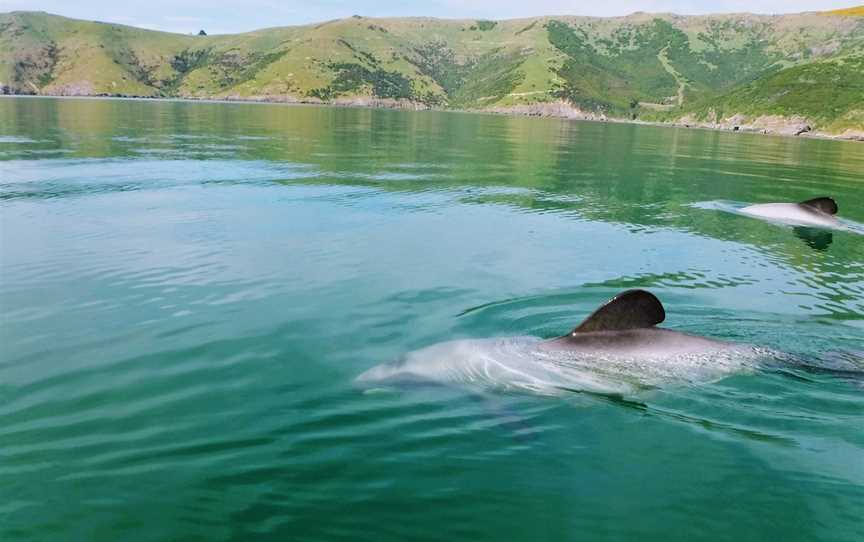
(825, 205)
(633, 309)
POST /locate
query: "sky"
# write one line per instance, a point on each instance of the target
(223, 16)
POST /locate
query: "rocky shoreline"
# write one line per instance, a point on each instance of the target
(765, 124)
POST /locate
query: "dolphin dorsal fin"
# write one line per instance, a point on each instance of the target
(632, 309)
(826, 205)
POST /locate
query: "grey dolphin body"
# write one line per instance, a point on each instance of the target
(617, 349)
(818, 212)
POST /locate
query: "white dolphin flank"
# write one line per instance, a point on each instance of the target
(818, 212)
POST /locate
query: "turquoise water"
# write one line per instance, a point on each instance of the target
(189, 290)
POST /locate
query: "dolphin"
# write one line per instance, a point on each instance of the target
(618, 349)
(813, 212)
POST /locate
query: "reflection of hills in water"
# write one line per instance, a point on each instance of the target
(641, 178)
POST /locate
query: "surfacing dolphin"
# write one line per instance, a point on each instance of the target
(617, 350)
(813, 212)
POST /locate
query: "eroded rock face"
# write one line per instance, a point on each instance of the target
(777, 124)
(558, 108)
(856, 135)
(734, 122)
(369, 101)
(766, 124)
(270, 98)
(78, 88)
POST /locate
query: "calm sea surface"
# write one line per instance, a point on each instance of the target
(188, 291)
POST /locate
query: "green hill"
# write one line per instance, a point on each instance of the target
(799, 69)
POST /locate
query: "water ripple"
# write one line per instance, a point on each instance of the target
(190, 290)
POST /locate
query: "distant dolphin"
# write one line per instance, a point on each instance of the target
(616, 350)
(813, 212)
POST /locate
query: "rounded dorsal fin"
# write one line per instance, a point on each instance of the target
(632, 309)
(826, 205)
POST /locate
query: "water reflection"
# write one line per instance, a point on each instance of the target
(642, 179)
(816, 238)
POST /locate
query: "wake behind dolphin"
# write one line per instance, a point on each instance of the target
(617, 350)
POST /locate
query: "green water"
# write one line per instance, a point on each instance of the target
(188, 291)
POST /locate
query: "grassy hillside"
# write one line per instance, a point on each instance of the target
(643, 66)
(856, 11)
(828, 93)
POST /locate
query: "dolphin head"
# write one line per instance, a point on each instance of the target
(383, 372)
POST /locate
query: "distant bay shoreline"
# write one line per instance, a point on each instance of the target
(554, 110)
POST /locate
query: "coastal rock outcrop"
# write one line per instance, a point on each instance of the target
(559, 108)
